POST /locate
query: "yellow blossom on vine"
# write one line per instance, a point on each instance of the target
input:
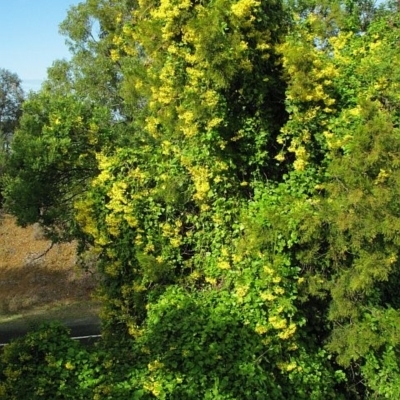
(280, 157)
(149, 248)
(212, 281)
(287, 366)
(211, 98)
(224, 265)
(214, 122)
(241, 291)
(268, 270)
(114, 55)
(288, 332)
(260, 329)
(175, 242)
(237, 258)
(204, 207)
(200, 176)
(279, 290)
(243, 8)
(153, 387)
(277, 322)
(138, 239)
(195, 275)
(68, 365)
(101, 240)
(117, 40)
(382, 177)
(267, 296)
(113, 268)
(131, 220)
(154, 365)
(299, 165)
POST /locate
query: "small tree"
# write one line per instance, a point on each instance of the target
(11, 98)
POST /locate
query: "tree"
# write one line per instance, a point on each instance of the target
(53, 159)
(343, 131)
(44, 174)
(166, 212)
(89, 28)
(11, 98)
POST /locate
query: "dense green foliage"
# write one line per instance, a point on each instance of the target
(53, 158)
(234, 167)
(11, 98)
(46, 364)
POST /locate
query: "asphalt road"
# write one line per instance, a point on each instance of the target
(88, 326)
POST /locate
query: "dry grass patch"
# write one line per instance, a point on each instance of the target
(31, 279)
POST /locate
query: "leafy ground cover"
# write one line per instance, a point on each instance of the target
(37, 285)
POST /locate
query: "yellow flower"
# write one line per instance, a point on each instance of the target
(175, 242)
(261, 329)
(382, 177)
(268, 270)
(68, 365)
(204, 207)
(280, 157)
(114, 55)
(299, 165)
(277, 322)
(224, 265)
(287, 333)
(291, 366)
(268, 296)
(154, 365)
(279, 290)
(243, 8)
(149, 248)
(241, 291)
(212, 281)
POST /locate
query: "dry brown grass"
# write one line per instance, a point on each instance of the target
(29, 281)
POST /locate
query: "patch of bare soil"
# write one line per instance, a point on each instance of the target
(37, 282)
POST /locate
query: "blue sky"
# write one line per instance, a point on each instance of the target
(29, 38)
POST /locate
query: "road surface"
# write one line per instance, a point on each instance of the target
(88, 326)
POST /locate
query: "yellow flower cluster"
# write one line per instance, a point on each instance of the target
(288, 332)
(280, 323)
(211, 281)
(241, 291)
(153, 387)
(83, 216)
(113, 268)
(277, 322)
(312, 72)
(244, 8)
(69, 366)
(267, 296)
(200, 176)
(288, 366)
(261, 329)
(155, 365)
(224, 264)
